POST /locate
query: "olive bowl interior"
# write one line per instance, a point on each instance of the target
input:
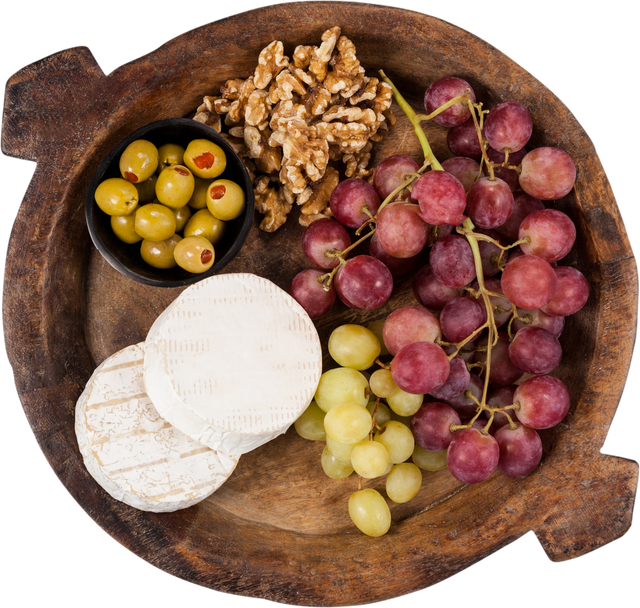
(125, 258)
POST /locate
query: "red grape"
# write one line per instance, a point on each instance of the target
(363, 282)
(407, 325)
(547, 173)
(430, 291)
(571, 293)
(349, 197)
(520, 450)
(466, 406)
(463, 140)
(461, 317)
(535, 350)
(508, 125)
(457, 381)
(543, 402)
(464, 169)
(490, 252)
(397, 266)
(390, 174)
(552, 234)
(528, 281)
(430, 426)
(443, 90)
(553, 324)
(452, 261)
(510, 176)
(523, 205)
(441, 196)
(310, 293)
(400, 230)
(502, 396)
(472, 456)
(420, 368)
(321, 236)
(489, 202)
(503, 370)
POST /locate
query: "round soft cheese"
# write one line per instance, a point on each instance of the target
(232, 362)
(132, 452)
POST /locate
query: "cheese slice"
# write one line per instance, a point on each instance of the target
(133, 453)
(232, 362)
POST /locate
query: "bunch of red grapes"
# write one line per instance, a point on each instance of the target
(492, 295)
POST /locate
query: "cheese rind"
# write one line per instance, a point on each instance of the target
(132, 452)
(232, 362)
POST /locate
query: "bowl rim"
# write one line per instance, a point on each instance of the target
(91, 206)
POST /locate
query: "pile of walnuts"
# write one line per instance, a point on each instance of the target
(293, 120)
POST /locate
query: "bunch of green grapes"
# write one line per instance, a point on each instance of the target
(363, 417)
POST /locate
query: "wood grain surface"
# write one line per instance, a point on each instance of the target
(278, 528)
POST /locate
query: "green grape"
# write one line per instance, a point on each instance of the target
(194, 254)
(382, 384)
(404, 404)
(310, 425)
(403, 482)
(342, 451)
(334, 468)
(429, 461)
(225, 199)
(369, 512)
(205, 159)
(354, 346)
(398, 440)
(202, 223)
(341, 385)
(116, 196)
(376, 328)
(159, 254)
(348, 422)
(155, 222)
(382, 413)
(369, 459)
(139, 161)
(175, 186)
(123, 227)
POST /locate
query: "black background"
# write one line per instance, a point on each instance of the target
(52, 548)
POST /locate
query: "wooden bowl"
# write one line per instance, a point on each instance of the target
(278, 529)
(126, 258)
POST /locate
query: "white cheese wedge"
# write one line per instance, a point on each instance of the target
(232, 362)
(132, 452)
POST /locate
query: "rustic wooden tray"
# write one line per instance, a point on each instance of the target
(278, 529)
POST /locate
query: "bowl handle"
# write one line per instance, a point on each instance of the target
(46, 103)
(589, 510)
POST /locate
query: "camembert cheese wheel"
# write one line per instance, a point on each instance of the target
(232, 362)
(133, 453)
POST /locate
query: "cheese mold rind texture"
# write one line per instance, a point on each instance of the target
(232, 362)
(132, 452)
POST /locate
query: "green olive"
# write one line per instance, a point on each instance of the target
(182, 217)
(155, 222)
(202, 223)
(225, 199)
(198, 199)
(123, 227)
(169, 155)
(175, 186)
(116, 196)
(147, 189)
(205, 159)
(159, 254)
(139, 161)
(194, 254)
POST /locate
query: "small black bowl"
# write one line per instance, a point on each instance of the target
(125, 258)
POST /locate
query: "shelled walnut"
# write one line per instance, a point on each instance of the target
(302, 120)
